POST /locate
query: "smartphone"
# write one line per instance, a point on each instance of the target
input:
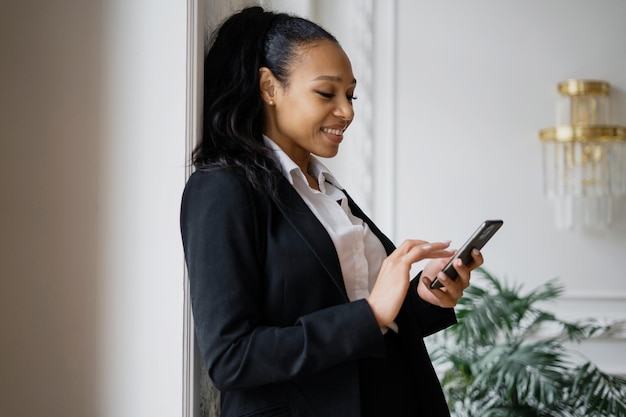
(478, 239)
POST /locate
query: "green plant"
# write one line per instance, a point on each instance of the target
(508, 357)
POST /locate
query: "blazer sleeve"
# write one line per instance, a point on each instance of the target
(223, 223)
(429, 318)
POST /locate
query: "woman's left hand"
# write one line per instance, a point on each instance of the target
(452, 291)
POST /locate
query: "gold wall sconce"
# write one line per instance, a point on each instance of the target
(584, 156)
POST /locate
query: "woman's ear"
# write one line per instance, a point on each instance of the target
(267, 83)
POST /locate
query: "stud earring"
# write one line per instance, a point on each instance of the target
(271, 102)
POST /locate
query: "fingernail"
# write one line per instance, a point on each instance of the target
(426, 247)
(441, 276)
(475, 252)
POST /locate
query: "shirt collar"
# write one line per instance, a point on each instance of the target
(291, 170)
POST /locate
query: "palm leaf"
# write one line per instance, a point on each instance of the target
(498, 363)
(525, 374)
(598, 393)
(492, 310)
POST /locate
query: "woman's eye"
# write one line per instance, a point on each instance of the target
(325, 95)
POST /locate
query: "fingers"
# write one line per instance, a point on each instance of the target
(452, 290)
(440, 297)
(477, 257)
(464, 271)
(416, 250)
(393, 278)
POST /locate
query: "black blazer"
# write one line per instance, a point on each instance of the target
(272, 317)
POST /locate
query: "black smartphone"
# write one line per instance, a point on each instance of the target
(478, 239)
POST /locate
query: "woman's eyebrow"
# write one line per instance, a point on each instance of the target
(331, 78)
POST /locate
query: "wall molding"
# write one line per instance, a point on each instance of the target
(384, 97)
(597, 296)
(613, 305)
(605, 308)
(193, 103)
(363, 57)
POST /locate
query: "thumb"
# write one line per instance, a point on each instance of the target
(426, 280)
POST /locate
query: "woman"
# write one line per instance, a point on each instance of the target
(302, 306)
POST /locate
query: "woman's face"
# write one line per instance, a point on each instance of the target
(309, 114)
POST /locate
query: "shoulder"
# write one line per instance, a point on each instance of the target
(221, 184)
(221, 200)
(216, 178)
(219, 192)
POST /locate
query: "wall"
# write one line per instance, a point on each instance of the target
(142, 173)
(49, 130)
(475, 82)
(92, 124)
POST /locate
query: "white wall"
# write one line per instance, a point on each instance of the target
(475, 82)
(92, 124)
(141, 179)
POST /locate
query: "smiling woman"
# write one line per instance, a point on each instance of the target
(302, 306)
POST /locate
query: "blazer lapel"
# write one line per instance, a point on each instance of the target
(356, 210)
(311, 230)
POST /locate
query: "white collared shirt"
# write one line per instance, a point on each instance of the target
(360, 252)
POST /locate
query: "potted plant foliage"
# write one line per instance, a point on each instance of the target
(507, 356)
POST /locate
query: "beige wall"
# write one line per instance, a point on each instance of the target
(92, 126)
(50, 133)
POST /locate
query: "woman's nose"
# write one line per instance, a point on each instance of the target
(345, 111)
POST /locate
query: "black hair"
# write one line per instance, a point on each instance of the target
(233, 118)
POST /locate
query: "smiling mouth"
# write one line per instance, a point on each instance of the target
(337, 132)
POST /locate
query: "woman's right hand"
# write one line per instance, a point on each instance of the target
(394, 277)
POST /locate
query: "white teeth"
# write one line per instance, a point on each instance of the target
(337, 132)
